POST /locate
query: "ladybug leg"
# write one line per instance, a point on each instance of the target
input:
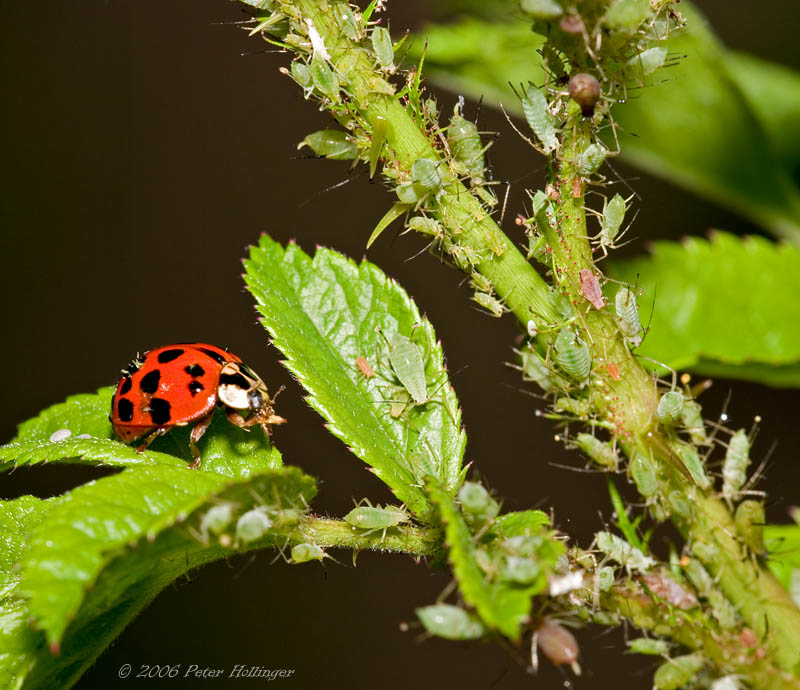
(198, 430)
(152, 436)
(235, 417)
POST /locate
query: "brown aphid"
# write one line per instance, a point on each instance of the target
(364, 367)
(590, 287)
(577, 187)
(584, 89)
(613, 370)
(558, 644)
(670, 591)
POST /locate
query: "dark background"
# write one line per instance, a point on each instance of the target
(142, 153)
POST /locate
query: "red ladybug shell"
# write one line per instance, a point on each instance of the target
(170, 386)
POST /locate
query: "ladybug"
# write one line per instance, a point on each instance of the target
(176, 385)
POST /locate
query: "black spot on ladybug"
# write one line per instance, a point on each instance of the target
(169, 355)
(195, 371)
(234, 380)
(160, 411)
(149, 382)
(124, 410)
(126, 385)
(214, 355)
(195, 387)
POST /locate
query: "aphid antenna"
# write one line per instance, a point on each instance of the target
(536, 147)
(318, 194)
(758, 473)
(624, 181)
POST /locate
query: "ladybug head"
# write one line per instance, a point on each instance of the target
(240, 388)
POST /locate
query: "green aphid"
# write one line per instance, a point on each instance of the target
(692, 422)
(750, 520)
(217, 519)
(680, 505)
(347, 20)
(590, 159)
(477, 504)
(301, 73)
(647, 62)
(734, 467)
(520, 570)
(384, 50)
(331, 143)
(253, 525)
(535, 369)
(694, 464)
(466, 146)
(427, 226)
(644, 474)
(677, 672)
(375, 519)
(647, 645)
(302, 553)
(617, 549)
(580, 407)
(425, 172)
(611, 220)
(491, 304)
(534, 106)
(601, 452)
(542, 9)
(605, 578)
(628, 316)
(409, 366)
(324, 79)
(670, 407)
(626, 15)
(450, 622)
(573, 356)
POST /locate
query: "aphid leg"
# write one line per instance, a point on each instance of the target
(197, 433)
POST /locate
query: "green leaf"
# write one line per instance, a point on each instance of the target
(89, 451)
(86, 413)
(107, 548)
(725, 307)
(502, 606)
(783, 556)
(323, 314)
(225, 448)
(17, 638)
(717, 123)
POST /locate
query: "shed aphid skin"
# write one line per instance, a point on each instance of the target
(628, 316)
(730, 682)
(646, 645)
(216, 519)
(590, 287)
(375, 519)
(601, 453)
(534, 368)
(558, 644)
(573, 356)
(734, 467)
(450, 622)
(384, 50)
(677, 672)
(617, 549)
